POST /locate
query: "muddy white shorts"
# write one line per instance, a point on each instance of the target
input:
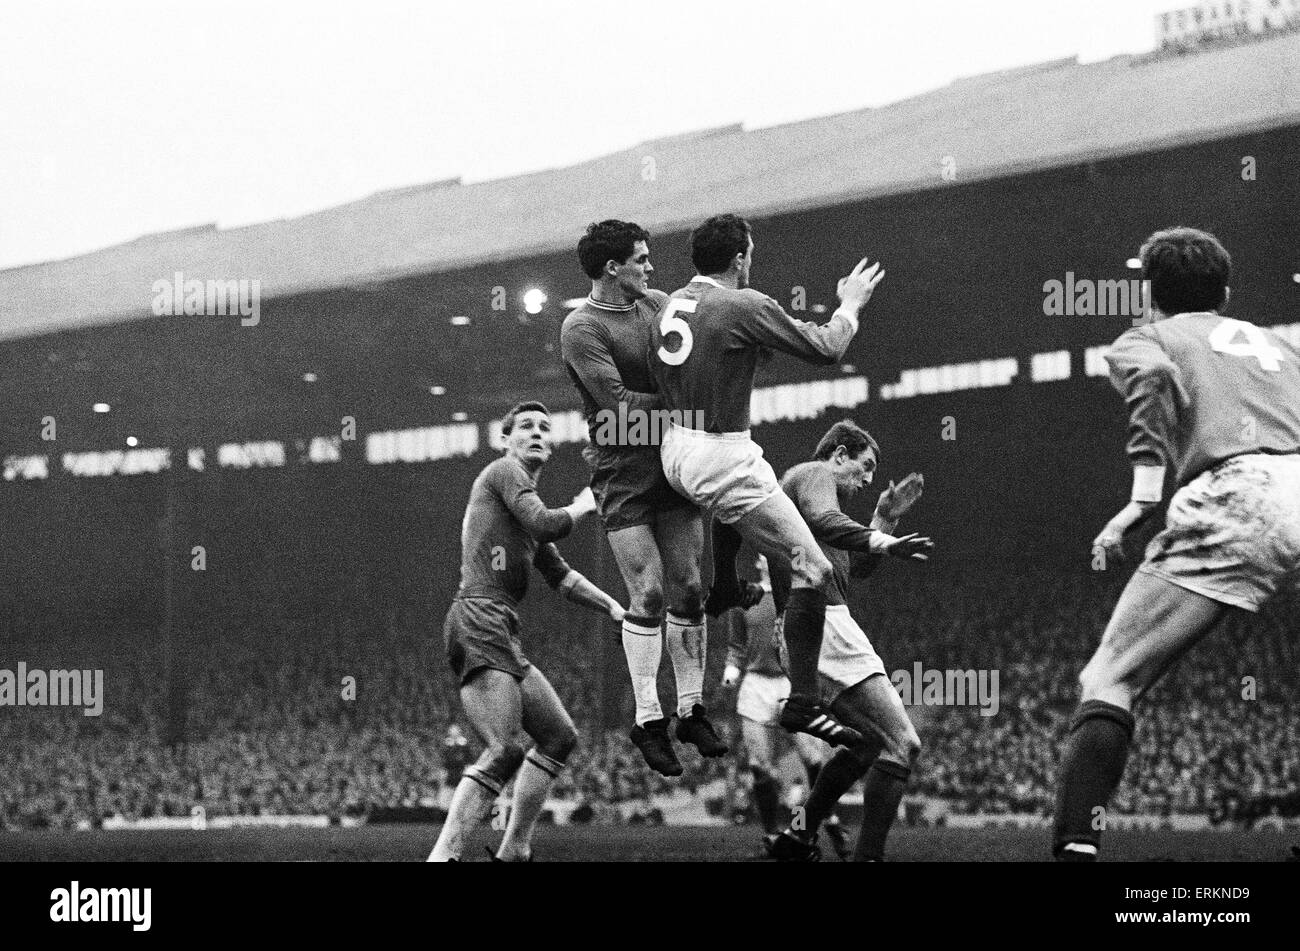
(723, 473)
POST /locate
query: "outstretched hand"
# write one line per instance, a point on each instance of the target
(914, 547)
(856, 289)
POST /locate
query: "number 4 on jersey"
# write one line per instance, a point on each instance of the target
(671, 323)
(1223, 337)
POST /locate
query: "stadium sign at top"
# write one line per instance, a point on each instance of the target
(1214, 21)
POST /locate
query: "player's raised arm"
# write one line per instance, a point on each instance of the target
(829, 524)
(573, 584)
(1152, 387)
(586, 354)
(546, 525)
(770, 326)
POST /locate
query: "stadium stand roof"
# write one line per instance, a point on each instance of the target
(1042, 116)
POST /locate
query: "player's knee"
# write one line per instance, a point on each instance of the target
(690, 599)
(560, 744)
(905, 748)
(815, 572)
(1092, 681)
(501, 759)
(648, 601)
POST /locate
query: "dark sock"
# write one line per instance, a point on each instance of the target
(1092, 767)
(813, 770)
(881, 794)
(833, 780)
(805, 616)
(726, 543)
(767, 800)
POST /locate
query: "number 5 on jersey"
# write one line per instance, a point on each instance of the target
(671, 323)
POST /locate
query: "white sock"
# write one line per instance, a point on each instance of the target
(471, 804)
(686, 649)
(531, 785)
(643, 647)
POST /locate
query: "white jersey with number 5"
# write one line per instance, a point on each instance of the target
(1202, 388)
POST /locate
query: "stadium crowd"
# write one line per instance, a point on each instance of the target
(272, 727)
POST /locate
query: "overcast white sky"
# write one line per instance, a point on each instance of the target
(124, 118)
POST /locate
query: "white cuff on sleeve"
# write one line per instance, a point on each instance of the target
(880, 541)
(1148, 483)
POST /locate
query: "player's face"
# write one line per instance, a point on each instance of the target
(742, 275)
(633, 275)
(530, 439)
(853, 474)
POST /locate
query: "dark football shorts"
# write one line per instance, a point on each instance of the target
(629, 485)
(483, 633)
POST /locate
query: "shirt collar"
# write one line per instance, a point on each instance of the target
(704, 280)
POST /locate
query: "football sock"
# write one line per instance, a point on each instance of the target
(833, 780)
(470, 805)
(1092, 767)
(767, 800)
(643, 646)
(881, 793)
(726, 545)
(686, 649)
(531, 785)
(805, 616)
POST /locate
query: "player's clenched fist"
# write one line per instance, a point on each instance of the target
(855, 290)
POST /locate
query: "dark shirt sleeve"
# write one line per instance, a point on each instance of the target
(1151, 385)
(768, 325)
(551, 564)
(737, 638)
(821, 510)
(520, 497)
(586, 351)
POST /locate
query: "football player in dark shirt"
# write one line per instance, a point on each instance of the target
(656, 535)
(853, 682)
(1218, 401)
(506, 531)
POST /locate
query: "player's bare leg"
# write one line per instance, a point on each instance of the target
(680, 534)
(549, 725)
(636, 551)
(494, 706)
(728, 590)
(1155, 623)
(778, 531)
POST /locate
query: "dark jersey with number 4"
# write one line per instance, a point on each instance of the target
(1202, 388)
(706, 342)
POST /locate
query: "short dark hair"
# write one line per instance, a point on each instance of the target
(717, 241)
(528, 406)
(1188, 269)
(851, 436)
(605, 241)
